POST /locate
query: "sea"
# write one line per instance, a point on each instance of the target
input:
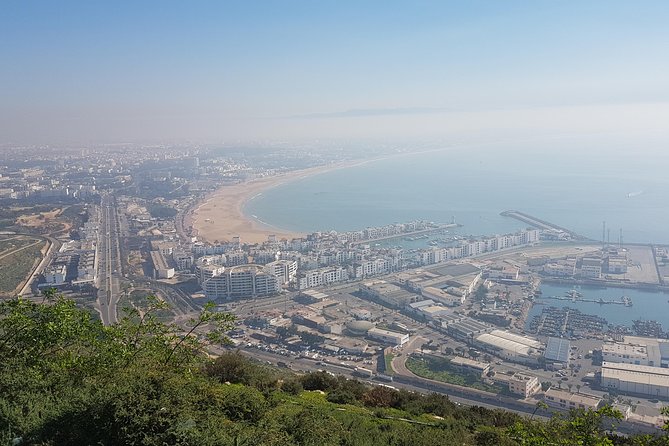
(574, 182)
(577, 183)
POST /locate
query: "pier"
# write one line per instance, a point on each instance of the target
(626, 301)
(541, 224)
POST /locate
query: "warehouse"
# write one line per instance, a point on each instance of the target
(557, 353)
(388, 337)
(466, 329)
(638, 350)
(389, 294)
(636, 379)
(510, 346)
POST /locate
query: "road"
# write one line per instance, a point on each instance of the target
(54, 246)
(109, 261)
(308, 365)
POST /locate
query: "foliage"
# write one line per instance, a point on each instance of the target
(160, 211)
(67, 379)
(439, 369)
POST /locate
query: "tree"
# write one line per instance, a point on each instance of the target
(319, 381)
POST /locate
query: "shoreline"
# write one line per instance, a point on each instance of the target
(220, 215)
(228, 219)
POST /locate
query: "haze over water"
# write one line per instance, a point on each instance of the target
(574, 182)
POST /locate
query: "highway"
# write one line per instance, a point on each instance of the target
(109, 261)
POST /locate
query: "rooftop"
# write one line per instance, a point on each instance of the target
(557, 349)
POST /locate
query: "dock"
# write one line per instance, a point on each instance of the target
(541, 224)
(626, 301)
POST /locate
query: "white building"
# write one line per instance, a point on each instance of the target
(207, 271)
(523, 385)
(637, 350)
(591, 267)
(567, 400)
(372, 267)
(56, 275)
(161, 269)
(388, 337)
(242, 281)
(283, 270)
(510, 346)
(322, 276)
(470, 366)
(636, 379)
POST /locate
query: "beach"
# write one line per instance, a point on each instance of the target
(220, 217)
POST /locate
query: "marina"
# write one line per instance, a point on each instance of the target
(573, 296)
(646, 310)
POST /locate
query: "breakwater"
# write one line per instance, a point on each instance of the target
(541, 224)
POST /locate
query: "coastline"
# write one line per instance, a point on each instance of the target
(220, 216)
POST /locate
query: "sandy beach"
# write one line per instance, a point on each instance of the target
(220, 216)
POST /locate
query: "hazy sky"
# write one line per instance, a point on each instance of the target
(94, 71)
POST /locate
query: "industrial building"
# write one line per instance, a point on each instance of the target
(557, 353)
(636, 379)
(388, 337)
(464, 328)
(510, 346)
(313, 296)
(389, 294)
(432, 312)
(161, 269)
(450, 296)
(637, 350)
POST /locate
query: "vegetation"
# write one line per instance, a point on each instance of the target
(388, 360)
(160, 211)
(440, 370)
(15, 267)
(66, 379)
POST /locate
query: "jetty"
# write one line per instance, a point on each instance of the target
(624, 300)
(541, 224)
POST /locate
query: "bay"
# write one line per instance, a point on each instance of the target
(574, 183)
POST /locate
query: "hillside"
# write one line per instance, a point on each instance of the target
(66, 379)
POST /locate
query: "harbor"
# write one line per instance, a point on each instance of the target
(574, 296)
(636, 311)
(543, 224)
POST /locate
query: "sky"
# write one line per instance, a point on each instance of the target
(218, 71)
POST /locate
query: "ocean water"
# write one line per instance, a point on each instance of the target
(646, 305)
(575, 183)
